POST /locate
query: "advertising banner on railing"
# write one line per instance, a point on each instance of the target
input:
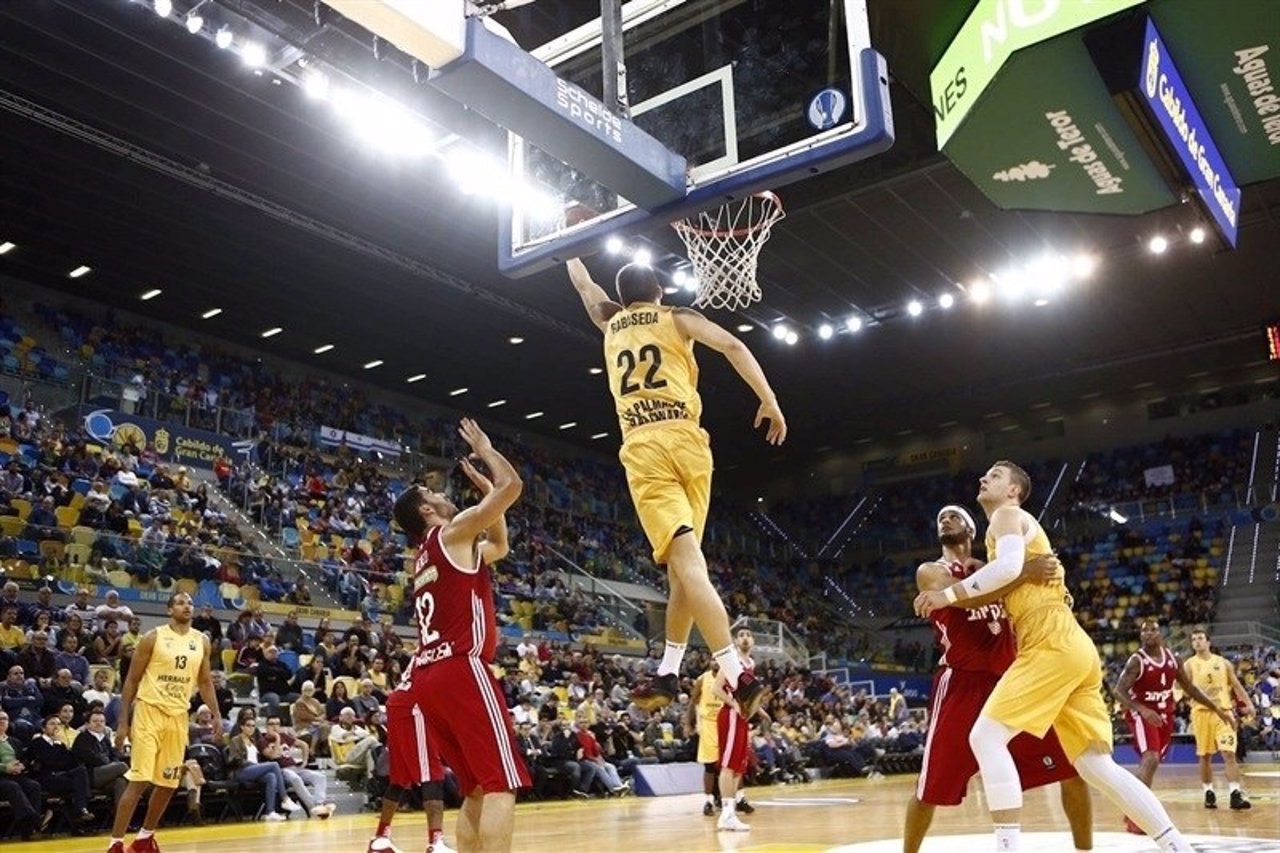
(172, 443)
(333, 437)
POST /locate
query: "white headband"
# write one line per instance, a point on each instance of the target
(963, 513)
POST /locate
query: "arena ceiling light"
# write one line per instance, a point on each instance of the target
(195, 23)
(79, 271)
(151, 294)
(825, 331)
(316, 85)
(853, 324)
(515, 340)
(6, 247)
(211, 313)
(679, 277)
(456, 392)
(599, 435)
(671, 291)
(496, 403)
(792, 338)
(223, 38)
(1158, 245)
(1116, 516)
(979, 292)
(533, 416)
(643, 257)
(945, 301)
(253, 54)
(780, 332)
(322, 349)
(613, 245)
(417, 377)
(370, 365)
(568, 425)
(272, 332)
(1197, 235)
(915, 308)
(164, 8)
(1083, 265)
(745, 327)
(595, 371)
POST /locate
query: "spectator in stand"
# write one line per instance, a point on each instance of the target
(12, 637)
(76, 628)
(310, 786)
(62, 691)
(111, 611)
(37, 660)
(310, 720)
(92, 747)
(42, 605)
(259, 626)
(300, 594)
(42, 523)
(338, 699)
(101, 693)
(289, 636)
(248, 766)
(21, 700)
(563, 754)
(106, 645)
(70, 659)
(349, 660)
(317, 673)
(239, 631)
(80, 608)
(591, 760)
(273, 681)
(364, 702)
(226, 698)
(58, 772)
(250, 655)
(42, 624)
(359, 740)
(212, 627)
(18, 788)
(201, 729)
(129, 641)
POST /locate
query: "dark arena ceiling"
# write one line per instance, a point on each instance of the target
(163, 162)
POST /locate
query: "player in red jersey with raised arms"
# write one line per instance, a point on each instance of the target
(978, 646)
(457, 634)
(1145, 691)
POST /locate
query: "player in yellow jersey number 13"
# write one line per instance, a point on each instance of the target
(653, 376)
(169, 661)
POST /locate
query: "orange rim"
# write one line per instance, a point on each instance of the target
(684, 225)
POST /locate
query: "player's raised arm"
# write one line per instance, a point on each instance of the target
(495, 545)
(128, 693)
(598, 304)
(467, 525)
(697, 327)
(995, 577)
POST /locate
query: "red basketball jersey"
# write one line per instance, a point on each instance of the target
(453, 605)
(1154, 687)
(978, 640)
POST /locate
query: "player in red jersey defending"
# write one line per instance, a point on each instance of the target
(1145, 691)
(734, 737)
(457, 634)
(978, 645)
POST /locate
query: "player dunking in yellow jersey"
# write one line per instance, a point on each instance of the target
(168, 663)
(1055, 680)
(1216, 678)
(653, 376)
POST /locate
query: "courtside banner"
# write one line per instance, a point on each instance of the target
(172, 443)
(1228, 57)
(1175, 112)
(993, 32)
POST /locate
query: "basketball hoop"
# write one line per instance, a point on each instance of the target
(724, 245)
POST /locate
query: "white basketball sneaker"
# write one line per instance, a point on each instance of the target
(729, 822)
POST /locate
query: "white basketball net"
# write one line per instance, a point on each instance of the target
(724, 245)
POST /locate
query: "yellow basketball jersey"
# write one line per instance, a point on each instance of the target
(652, 372)
(1032, 597)
(709, 702)
(171, 672)
(1211, 675)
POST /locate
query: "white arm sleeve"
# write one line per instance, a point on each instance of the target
(1001, 571)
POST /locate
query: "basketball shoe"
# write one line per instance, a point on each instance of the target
(729, 822)
(1210, 800)
(1238, 801)
(660, 692)
(143, 845)
(1131, 827)
(382, 844)
(750, 694)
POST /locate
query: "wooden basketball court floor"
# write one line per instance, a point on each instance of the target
(840, 816)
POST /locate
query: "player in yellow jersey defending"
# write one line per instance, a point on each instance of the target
(1216, 678)
(648, 349)
(1055, 680)
(168, 663)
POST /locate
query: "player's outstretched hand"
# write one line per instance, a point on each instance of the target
(122, 735)
(217, 732)
(771, 412)
(929, 601)
(474, 436)
(480, 481)
(1042, 569)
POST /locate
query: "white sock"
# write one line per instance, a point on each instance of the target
(730, 664)
(144, 834)
(1128, 794)
(1171, 841)
(740, 796)
(711, 798)
(672, 657)
(727, 807)
(1000, 782)
(1232, 787)
(1008, 837)
(1208, 786)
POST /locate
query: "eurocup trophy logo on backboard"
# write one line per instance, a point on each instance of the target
(1153, 67)
(827, 109)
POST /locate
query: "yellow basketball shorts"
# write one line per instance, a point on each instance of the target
(1056, 683)
(159, 746)
(1212, 735)
(669, 475)
(708, 741)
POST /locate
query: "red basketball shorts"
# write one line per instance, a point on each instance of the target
(1149, 738)
(470, 725)
(735, 749)
(413, 754)
(949, 763)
